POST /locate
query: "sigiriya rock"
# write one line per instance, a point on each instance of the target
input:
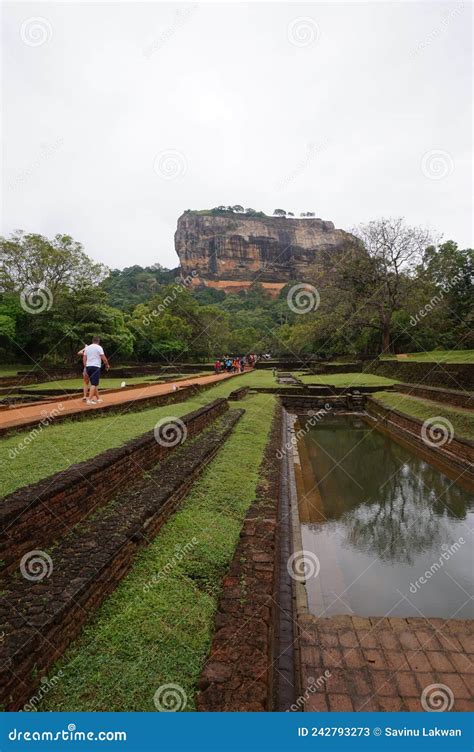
(231, 251)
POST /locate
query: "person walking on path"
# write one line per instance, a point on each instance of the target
(92, 359)
(85, 377)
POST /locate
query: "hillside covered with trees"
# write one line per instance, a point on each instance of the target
(404, 294)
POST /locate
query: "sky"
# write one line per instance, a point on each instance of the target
(119, 116)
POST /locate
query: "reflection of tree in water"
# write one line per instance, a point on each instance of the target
(395, 504)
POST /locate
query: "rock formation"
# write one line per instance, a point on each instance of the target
(231, 252)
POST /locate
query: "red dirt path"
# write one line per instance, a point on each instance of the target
(26, 414)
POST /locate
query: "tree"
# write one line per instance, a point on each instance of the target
(290, 214)
(279, 213)
(29, 260)
(392, 251)
(238, 208)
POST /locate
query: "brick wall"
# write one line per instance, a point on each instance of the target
(238, 675)
(456, 453)
(448, 396)
(40, 619)
(36, 515)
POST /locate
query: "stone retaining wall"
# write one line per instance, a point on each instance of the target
(36, 515)
(455, 453)
(448, 396)
(239, 394)
(41, 618)
(450, 375)
(237, 675)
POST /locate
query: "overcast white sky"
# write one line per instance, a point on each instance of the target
(118, 116)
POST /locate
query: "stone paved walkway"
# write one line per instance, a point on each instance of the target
(25, 414)
(386, 664)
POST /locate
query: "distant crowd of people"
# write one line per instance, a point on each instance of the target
(234, 364)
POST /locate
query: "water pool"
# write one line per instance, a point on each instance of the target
(392, 534)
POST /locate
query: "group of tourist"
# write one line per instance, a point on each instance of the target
(235, 364)
(94, 359)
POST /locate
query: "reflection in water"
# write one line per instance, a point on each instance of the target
(378, 516)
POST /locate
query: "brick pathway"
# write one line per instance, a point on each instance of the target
(385, 664)
(25, 414)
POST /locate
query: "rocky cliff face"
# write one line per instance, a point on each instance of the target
(231, 252)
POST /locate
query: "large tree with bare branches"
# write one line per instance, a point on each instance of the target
(393, 251)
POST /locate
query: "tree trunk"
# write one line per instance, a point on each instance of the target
(386, 340)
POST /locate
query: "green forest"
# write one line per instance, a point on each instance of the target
(397, 292)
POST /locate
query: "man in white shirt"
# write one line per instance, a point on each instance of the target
(92, 359)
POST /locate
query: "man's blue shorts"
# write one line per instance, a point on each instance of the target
(94, 374)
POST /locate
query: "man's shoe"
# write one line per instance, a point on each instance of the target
(89, 402)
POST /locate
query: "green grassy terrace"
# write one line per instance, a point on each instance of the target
(345, 379)
(145, 634)
(423, 409)
(435, 356)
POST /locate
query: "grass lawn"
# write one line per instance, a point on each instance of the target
(423, 409)
(436, 356)
(12, 370)
(58, 446)
(346, 379)
(105, 383)
(146, 635)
